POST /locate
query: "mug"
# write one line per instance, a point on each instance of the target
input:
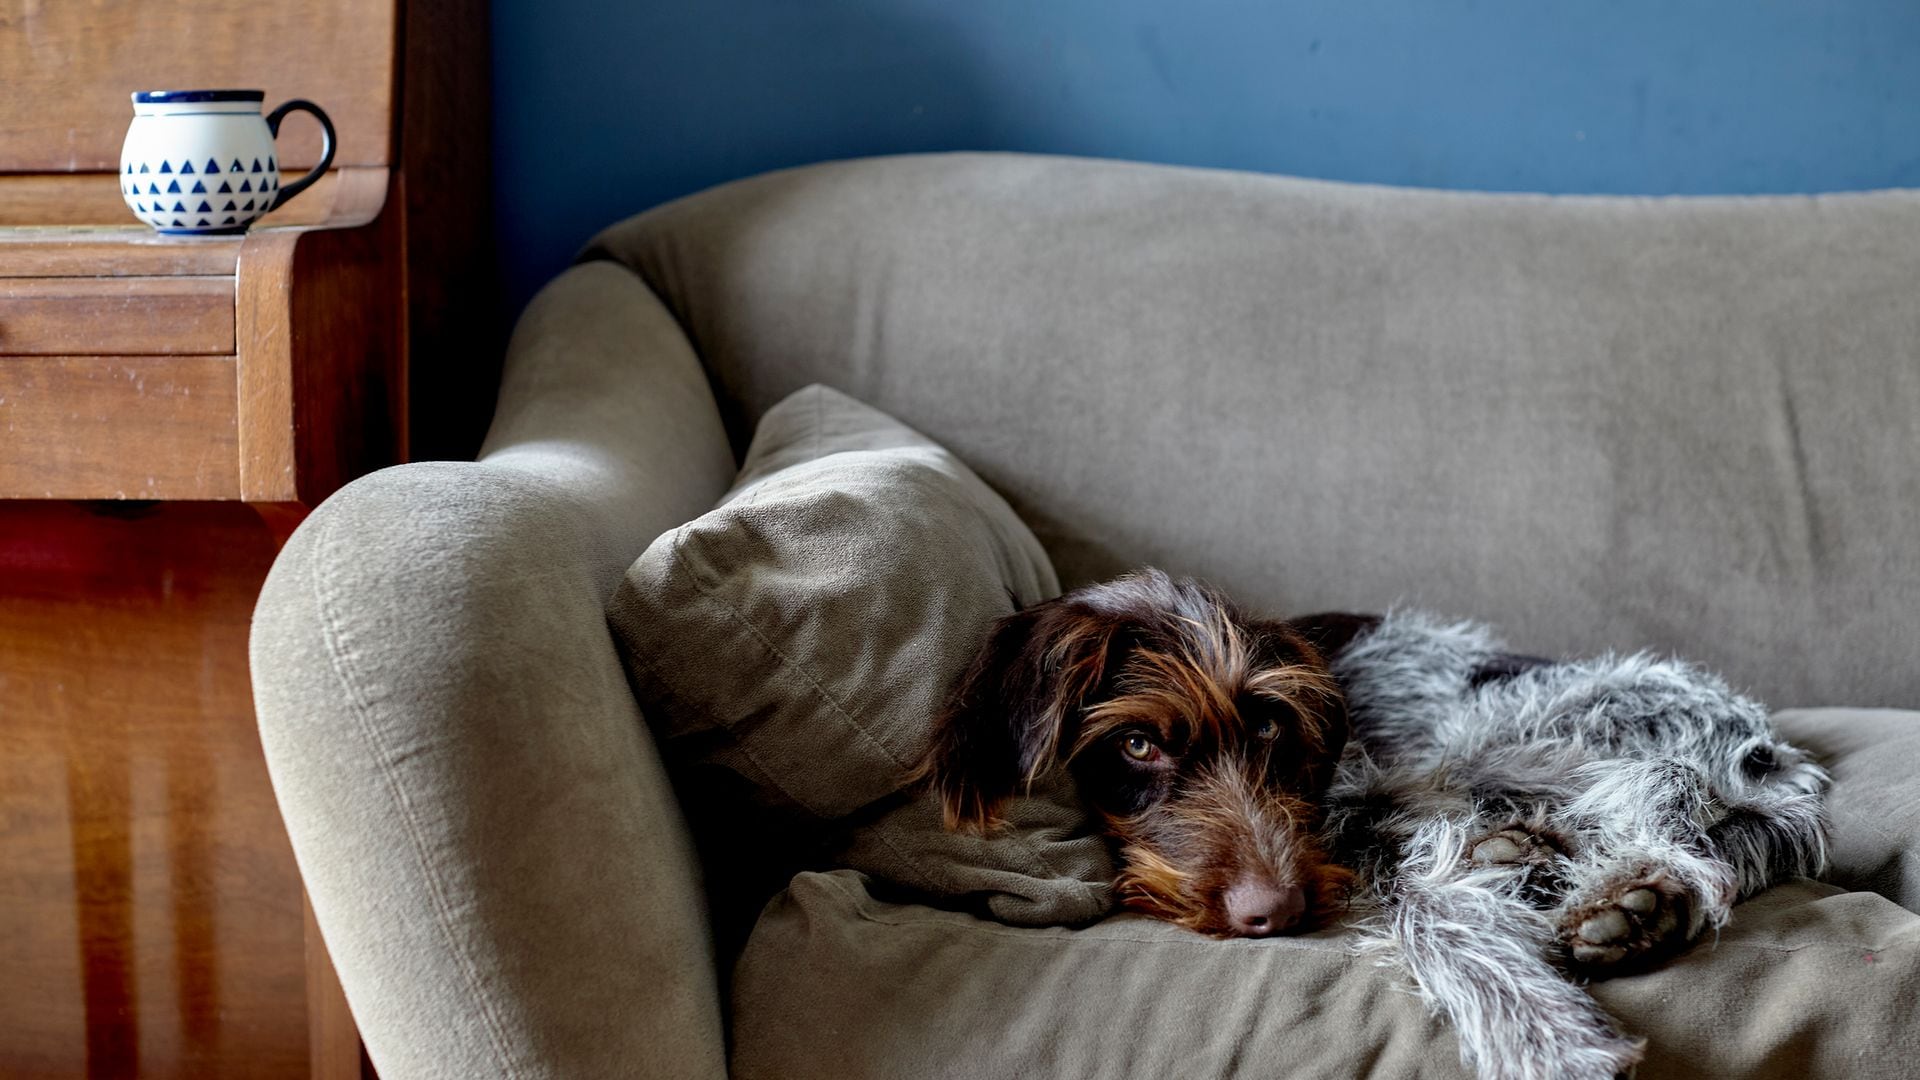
(202, 162)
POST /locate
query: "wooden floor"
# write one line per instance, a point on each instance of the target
(151, 919)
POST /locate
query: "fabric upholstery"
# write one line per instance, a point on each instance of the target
(1682, 424)
(1875, 811)
(1685, 424)
(1807, 981)
(803, 633)
(495, 858)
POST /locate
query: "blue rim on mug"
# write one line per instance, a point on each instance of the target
(181, 97)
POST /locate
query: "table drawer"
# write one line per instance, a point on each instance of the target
(118, 316)
(119, 427)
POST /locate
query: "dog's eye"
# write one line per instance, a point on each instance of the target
(1138, 747)
(1265, 728)
(1760, 761)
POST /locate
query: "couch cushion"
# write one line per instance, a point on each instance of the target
(1807, 980)
(1875, 804)
(1681, 424)
(790, 646)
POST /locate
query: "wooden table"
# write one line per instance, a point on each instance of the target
(170, 408)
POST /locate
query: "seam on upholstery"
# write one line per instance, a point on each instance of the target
(785, 660)
(342, 664)
(692, 703)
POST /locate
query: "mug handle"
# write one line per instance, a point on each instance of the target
(288, 191)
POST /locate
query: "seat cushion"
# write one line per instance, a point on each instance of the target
(1809, 979)
(790, 647)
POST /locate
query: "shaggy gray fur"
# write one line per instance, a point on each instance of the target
(1520, 829)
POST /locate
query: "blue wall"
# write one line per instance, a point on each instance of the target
(606, 107)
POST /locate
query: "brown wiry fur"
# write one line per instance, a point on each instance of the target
(1244, 719)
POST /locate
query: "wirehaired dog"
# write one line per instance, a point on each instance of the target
(1203, 739)
(1516, 824)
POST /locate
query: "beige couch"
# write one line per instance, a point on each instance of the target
(1686, 424)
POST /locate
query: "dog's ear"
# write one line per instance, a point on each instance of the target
(1333, 631)
(1016, 707)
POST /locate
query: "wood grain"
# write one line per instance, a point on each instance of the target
(161, 935)
(149, 896)
(341, 198)
(129, 427)
(113, 251)
(116, 316)
(322, 381)
(70, 66)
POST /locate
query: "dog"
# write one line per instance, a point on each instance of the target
(1504, 825)
(1203, 740)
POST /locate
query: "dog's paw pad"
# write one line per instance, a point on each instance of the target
(1599, 955)
(1624, 924)
(1511, 845)
(1609, 925)
(1640, 901)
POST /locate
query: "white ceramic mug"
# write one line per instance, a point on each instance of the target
(202, 162)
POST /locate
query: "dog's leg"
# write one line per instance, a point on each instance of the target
(1644, 878)
(1479, 954)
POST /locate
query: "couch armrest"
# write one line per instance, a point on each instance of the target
(494, 854)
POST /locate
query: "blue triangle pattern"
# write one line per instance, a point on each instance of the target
(143, 166)
(178, 224)
(153, 189)
(229, 206)
(249, 205)
(204, 208)
(199, 187)
(256, 164)
(186, 167)
(225, 187)
(246, 185)
(179, 207)
(174, 188)
(229, 221)
(164, 167)
(212, 166)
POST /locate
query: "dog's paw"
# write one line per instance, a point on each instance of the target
(1514, 844)
(1625, 924)
(1534, 863)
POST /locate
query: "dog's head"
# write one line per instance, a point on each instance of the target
(1203, 739)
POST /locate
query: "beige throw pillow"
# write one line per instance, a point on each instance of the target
(802, 635)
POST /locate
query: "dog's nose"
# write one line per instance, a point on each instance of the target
(1257, 908)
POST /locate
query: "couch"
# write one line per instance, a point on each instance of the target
(1686, 424)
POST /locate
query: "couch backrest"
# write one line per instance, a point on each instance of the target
(1687, 424)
